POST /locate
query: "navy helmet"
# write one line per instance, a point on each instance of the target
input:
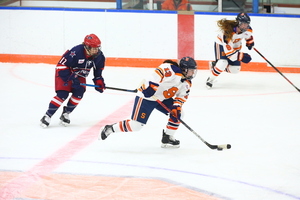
(243, 20)
(188, 67)
(243, 17)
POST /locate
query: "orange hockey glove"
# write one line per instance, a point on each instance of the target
(175, 113)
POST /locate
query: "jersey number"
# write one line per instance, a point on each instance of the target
(236, 40)
(63, 60)
(170, 92)
(168, 73)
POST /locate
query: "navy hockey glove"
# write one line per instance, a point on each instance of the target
(65, 75)
(250, 43)
(75, 83)
(150, 90)
(99, 81)
(175, 113)
(244, 57)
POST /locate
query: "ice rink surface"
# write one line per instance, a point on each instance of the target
(257, 113)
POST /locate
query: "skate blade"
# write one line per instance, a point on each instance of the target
(64, 124)
(43, 125)
(100, 134)
(170, 146)
(208, 87)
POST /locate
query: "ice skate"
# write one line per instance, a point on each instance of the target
(209, 81)
(45, 121)
(65, 119)
(169, 141)
(105, 132)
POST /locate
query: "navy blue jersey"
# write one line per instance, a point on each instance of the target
(77, 61)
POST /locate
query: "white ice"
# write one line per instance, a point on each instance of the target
(257, 113)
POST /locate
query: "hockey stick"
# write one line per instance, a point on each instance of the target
(276, 69)
(111, 88)
(218, 147)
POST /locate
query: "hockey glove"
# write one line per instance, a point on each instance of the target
(99, 81)
(175, 113)
(75, 83)
(244, 57)
(250, 43)
(65, 75)
(150, 90)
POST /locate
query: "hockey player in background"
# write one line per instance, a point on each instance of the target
(71, 70)
(228, 44)
(170, 83)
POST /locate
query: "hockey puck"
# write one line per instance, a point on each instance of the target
(228, 146)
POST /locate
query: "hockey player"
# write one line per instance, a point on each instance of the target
(170, 83)
(228, 44)
(71, 70)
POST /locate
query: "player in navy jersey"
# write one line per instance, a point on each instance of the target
(170, 83)
(228, 44)
(71, 70)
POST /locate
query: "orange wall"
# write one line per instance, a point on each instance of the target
(137, 62)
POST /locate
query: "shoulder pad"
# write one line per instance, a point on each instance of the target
(78, 47)
(176, 69)
(188, 81)
(250, 29)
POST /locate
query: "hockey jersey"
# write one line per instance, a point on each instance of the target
(233, 46)
(171, 84)
(76, 61)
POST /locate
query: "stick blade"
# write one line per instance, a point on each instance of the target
(219, 147)
(223, 146)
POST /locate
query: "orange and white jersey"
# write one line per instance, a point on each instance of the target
(233, 46)
(169, 83)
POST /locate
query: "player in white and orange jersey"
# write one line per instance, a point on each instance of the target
(228, 44)
(170, 83)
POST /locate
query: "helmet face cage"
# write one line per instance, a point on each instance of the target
(189, 67)
(92, 51)
(91, 43)
(243, 18)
